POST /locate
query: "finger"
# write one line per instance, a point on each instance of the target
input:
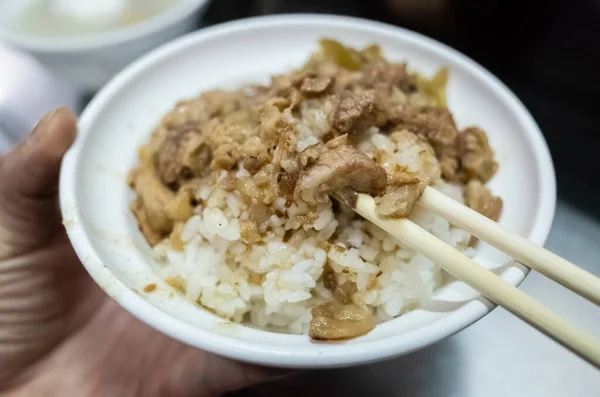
(29, 215)
(32, 168)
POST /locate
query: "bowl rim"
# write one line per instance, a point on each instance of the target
(104, 39)
(294, 357)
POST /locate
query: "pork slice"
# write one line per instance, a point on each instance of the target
(388, 74)
(311, 154)
(476, 155)
(150, 206)
(315, 86)
(480, 198)
(353, 112)
(434, 124)
(339, 171)
(417, 167)
(334, 321)
(183, 155)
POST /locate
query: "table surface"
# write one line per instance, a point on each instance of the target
(499, 356)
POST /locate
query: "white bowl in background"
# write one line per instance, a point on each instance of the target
(89, 61)
(27, 92)
(94, 194)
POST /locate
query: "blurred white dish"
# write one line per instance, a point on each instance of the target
(91, 11)
(27, 92)
(90, 60)
(95, 197)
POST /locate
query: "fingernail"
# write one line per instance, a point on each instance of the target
(45, 121)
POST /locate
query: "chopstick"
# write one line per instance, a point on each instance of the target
(519, 248)
(483, 280)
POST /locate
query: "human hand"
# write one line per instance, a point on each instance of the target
(60, 335)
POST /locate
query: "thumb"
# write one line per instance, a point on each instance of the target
(29, 215)
(32, 168)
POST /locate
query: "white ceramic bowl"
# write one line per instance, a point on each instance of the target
(95, 197)
(89, 61)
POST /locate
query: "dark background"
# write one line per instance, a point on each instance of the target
(547, 52)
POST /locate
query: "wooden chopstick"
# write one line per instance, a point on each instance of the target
(483, 280)
(519, 248)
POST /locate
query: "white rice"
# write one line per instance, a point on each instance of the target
(274, 284)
